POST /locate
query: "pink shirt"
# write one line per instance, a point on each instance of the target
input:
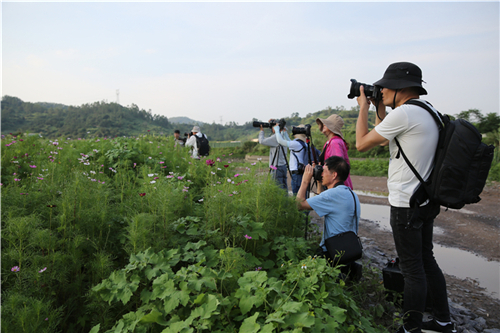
(336, 147)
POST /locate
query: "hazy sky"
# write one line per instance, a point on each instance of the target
(237, 61)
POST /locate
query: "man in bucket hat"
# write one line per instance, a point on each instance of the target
(417, 134)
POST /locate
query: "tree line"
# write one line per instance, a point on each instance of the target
(112, 119)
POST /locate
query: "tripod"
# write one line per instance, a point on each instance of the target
(277, 154)
(315, 159)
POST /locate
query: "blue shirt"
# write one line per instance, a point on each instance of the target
(337, 206)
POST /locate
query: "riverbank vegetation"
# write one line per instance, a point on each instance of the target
(132, 235)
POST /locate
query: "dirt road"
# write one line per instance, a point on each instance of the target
(475, 229)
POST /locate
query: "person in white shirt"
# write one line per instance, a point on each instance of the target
(412, 228)
(298, 151)
(192, 142)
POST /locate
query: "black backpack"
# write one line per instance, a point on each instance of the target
(461, 164)
(203, 145)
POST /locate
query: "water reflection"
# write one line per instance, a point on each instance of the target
(453, 261)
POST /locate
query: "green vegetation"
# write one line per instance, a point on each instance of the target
(130, 234)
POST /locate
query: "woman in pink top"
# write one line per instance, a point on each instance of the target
(331, 127)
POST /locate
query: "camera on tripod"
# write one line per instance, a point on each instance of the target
(306, 130)
(370, 91)
(271, 123)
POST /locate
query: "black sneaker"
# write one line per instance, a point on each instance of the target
(433, 326)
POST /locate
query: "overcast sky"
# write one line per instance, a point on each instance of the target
(236, 61)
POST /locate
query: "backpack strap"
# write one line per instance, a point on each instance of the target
(440, 121)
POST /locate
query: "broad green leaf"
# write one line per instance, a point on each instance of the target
(292, 307)
(249, 325)
(152, 317)
(95, 329)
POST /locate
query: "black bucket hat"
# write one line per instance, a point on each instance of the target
(401, 75)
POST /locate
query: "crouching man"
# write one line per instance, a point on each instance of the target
(338, 204)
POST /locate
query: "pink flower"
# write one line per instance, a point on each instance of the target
(273, 167)
(42, 270)
(236, 175)
(210, 162)
(161, 162)
(15, 269)
(180, 177)
(248, 237)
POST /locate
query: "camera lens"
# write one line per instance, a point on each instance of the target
(318, 172)
(370, 91)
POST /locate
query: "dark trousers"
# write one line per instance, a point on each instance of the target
(418, 265)
(351, 270)
(296, 182)
(280, 176)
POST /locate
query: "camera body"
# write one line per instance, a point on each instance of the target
(318, 172)
(188, 134)
(271, 123)
(370, 91)
(302, 130)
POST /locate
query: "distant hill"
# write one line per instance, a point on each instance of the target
(184, 120)
(96, 119)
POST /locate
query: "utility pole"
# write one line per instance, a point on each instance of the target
(117, 96)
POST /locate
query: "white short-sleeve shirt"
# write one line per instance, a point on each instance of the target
(417, 133)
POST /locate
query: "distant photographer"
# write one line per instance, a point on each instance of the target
(178, 140)
(298, 155)
(277, 153)
(199, 143)
(338, 204)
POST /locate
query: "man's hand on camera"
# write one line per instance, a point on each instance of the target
(363, 101)
(308, 174)
(261, 128)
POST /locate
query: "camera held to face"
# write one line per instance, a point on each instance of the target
(318, 172)
(271, 123)
(306, 130)
(370, 91)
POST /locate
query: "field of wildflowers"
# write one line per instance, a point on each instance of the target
(132, 235)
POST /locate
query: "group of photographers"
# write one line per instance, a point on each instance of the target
(412, 228)
(197, 141)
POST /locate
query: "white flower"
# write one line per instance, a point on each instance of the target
(229, 180)
(152, 182)
(200, 200)
(92, 172)
(304, 267)
(213, 173)
(219, 169)
(151, 174)
(86, 163)
(150, 157)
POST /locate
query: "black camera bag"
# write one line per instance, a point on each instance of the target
(346, 246)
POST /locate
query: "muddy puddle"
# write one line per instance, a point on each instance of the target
(453, 261)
